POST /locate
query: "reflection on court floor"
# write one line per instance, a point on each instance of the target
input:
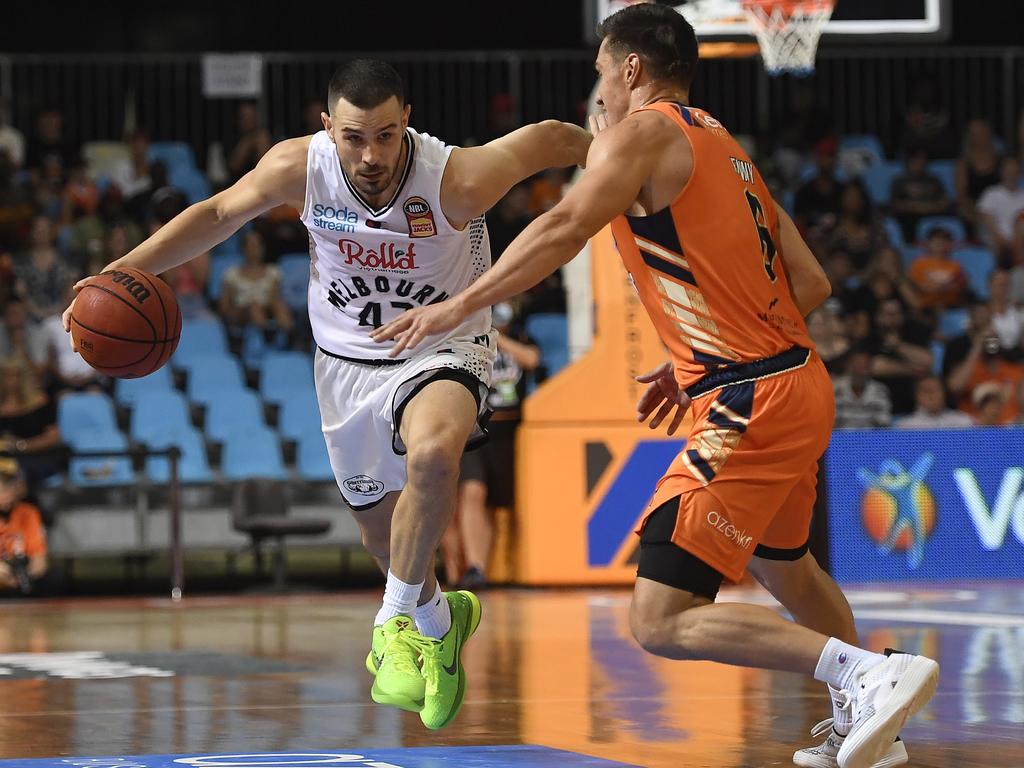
(553, 669)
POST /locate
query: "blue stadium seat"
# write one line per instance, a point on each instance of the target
(173, 154)
(978, 263)
(878, 181)
(945, 170)
(198, 339)
(894, 232)
(953, 323)
(255, 453)
(311, 458)
(938, 354)
(158, 412)
(299, 416)
(104, 471)
(284, 373)
(193, 183)
(127, 390)
(866, 146)
(952, 223)
(193, 466)
(80, 413)
(908, 253)
(212, 375)
(551, 332)
(220, 263)
(294, 279)
(232, 411)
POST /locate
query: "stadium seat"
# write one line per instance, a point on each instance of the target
(213, 375)
(299, 417)
(254, 453)
(127, 390)
(294, 279)
(100, 471)
(894, 231)
(193, 466)
(232, 411)
(284, 373)
(158, 412)
(860, 152)
(878, 181)
(198, 339)
(173, 154)
(938, 354)
(952, 223)
(551, 332)
(220, 263)
(945, 170)
(81, 413)
(953, 323)
(193, 183)
(311, 458)
(978, 263)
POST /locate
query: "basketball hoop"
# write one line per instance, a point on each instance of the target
(788, 32)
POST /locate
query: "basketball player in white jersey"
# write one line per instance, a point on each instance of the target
(395, 221)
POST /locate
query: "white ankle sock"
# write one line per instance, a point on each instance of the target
(434, 618)
(399, 599)
(842, 718)
(841, 662)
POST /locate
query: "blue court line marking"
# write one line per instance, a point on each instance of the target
(515, 756)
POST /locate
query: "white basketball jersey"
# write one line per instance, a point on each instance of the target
(368, 266)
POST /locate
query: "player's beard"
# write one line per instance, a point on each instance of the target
(376, 184)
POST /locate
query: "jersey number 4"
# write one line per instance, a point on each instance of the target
(768, 249)
(370, 316)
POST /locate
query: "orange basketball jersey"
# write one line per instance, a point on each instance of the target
(707, 267)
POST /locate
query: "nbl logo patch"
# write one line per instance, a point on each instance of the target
(420, 217)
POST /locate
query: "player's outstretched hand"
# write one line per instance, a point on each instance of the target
(66, 317)
(663, 391)
(414, 325)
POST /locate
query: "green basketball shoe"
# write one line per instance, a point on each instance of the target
(442, 662)
(394, 663)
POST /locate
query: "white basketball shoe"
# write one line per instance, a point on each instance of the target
(824, 755)
(882, 699)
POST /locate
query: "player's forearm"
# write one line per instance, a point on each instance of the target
(557, 145)
(545, 245)
(189, 234)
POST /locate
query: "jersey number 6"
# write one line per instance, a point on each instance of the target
(761, 222)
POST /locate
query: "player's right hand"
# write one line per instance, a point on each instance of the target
(663, 391)
(66, 317)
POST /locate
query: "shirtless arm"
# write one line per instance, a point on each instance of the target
(808, 284)
(478, 177)
(279, 177)
(620, 161)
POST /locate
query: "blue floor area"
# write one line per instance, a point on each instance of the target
(423, 757)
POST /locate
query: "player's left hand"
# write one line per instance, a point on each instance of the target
(414, 325)
(664, 391)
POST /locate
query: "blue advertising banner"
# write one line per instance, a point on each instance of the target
(922, 505)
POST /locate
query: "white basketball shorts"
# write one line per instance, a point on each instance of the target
(361, 408)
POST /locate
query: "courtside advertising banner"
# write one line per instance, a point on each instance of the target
(926, 505)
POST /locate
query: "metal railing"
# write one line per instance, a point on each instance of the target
(864, 90)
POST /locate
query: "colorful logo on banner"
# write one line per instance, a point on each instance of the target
(898, 509)
(929, 504)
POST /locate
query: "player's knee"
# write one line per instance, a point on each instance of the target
(432, 460)
(665, 636)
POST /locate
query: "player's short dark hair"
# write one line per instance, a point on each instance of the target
(365, 83)
(659, 35)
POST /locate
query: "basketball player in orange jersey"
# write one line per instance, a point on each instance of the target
(726, 280)
(395, 220)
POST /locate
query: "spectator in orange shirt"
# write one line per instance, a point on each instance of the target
(941, 280)
(986, 363)
(22, 536)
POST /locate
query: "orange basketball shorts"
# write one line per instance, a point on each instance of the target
(747, 475)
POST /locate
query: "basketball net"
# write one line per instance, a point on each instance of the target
(788, 32)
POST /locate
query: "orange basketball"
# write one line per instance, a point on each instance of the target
(126, 323)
